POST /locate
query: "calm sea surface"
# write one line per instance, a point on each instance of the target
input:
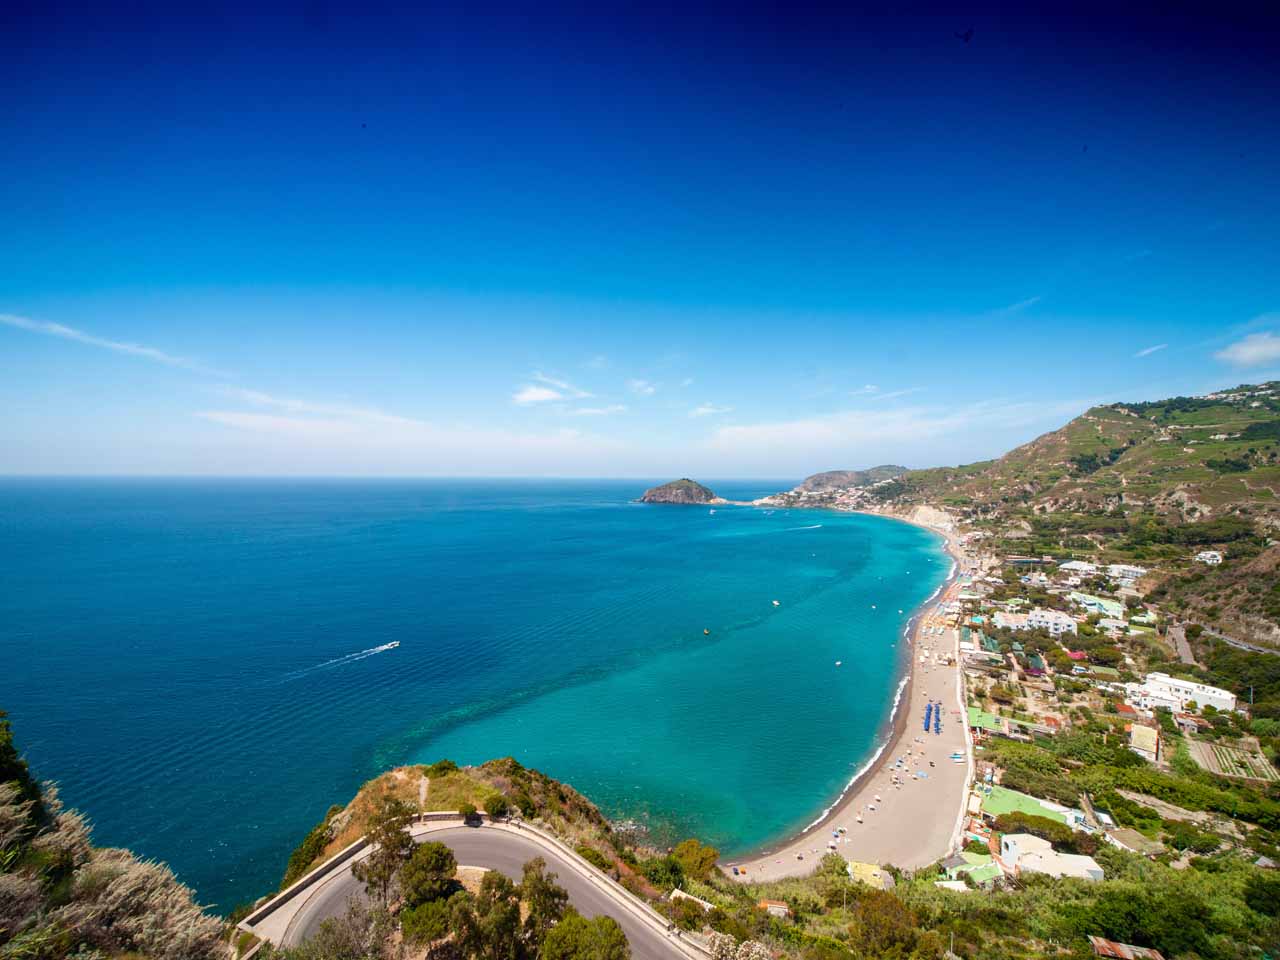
(198, 663)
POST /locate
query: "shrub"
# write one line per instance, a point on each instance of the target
(663, 872)
(468, 810)
(593, 856)
(525, 803)
(496, 805)
(1043, 827)
(309, 850)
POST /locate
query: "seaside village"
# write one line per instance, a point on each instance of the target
(1048, 649)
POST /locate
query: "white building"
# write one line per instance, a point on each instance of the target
(1079, 566)
(1211, 557)
(1125, 571)
(1159, 690)
(1113, 626)
(1010, 621)
(1055, 621)
(1025, 853)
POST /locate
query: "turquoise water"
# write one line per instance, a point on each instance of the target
(202, 665)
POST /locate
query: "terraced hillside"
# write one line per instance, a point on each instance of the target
(1181, 460)
(1151, 483)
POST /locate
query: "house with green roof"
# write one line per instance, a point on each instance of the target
(980, 719)
(981, 868)
(1003, 800)
(1108, 608)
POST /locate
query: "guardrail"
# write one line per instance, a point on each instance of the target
(258, 922)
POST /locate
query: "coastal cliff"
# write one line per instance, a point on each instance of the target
(679, 491)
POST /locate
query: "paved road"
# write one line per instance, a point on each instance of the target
(1178, 635)
(478, 847)
(1239, 644)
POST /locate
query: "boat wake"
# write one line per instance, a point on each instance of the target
(812, 526)
(339, 661)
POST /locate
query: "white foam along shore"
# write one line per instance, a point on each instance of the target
(899, 838)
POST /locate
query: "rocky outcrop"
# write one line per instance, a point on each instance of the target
(679, 491)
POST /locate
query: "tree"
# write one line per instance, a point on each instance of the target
(359, 934)
(425, 922)
(544, 898)
(496, 805)
(428, 874)
(577, 938)
(391, 846)
(696, 860)
(488, 928)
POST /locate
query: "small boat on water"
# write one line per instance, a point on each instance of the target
(776, 603)
(838, 662)
(393, 644)
(706, 631)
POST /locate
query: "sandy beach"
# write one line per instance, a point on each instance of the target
(891, 814)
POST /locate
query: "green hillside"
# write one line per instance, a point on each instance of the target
(1152, 483)
(1179, 460)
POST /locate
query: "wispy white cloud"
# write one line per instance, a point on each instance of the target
(709, 410)
(865, 389)
(117, 346)
(894, 394)
(531, 394)
(643, 387)
(258, 398)
(1255, 350)
(850, 434)
(605, 411)
(1148, 351)
(566, 388)
(1019, 306)
(306, 436)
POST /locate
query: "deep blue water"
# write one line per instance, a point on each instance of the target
(191, 659)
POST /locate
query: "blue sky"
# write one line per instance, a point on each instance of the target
(583, 243)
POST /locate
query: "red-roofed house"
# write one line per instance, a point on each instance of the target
(1122, 951)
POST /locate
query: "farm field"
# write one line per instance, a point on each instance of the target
(1229, 760)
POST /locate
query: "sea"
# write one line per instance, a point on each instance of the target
(205, 666)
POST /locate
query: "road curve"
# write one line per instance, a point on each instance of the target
(507, 853)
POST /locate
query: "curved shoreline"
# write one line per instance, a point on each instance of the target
(892, 735)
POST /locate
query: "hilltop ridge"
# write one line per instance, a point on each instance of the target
(1152, 482)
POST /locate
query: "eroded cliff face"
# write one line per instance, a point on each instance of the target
(679, 491)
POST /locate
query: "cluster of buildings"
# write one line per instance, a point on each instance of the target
(1159, 691)
(1038, 618)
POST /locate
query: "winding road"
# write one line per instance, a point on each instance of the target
(507, 853)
